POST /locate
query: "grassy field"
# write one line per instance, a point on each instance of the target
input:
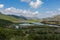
(15, 20)
(5, 17)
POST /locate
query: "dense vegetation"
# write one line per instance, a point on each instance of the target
(42, 32)
(4, 23)
(30, 33)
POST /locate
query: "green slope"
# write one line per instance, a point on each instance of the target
(10, 18)
(5, 23)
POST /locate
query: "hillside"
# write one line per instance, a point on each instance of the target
(10, 18)
(54, 18)
(18, 17)
(5, 23)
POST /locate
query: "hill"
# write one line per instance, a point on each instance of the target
(15, 18)
(18, 17)
(54, 18)
(5, 23)
(6, 17)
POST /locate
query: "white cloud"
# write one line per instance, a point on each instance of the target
(26, 11)
(36, 13)
(52, 13)
(49, 12)
(13, 10)
(33, 4)
(25, 0)
(29, 13)
(58, 9)
(1, 5)
(16, 11)
(36, 4)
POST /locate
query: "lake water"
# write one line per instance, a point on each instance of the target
(27, 24)
(35, 23)
(31, 24)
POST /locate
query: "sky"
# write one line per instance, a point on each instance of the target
(30, 8)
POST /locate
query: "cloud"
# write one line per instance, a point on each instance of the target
(36, 13)
(19, 12)
(26, 11)
(25, 0)
(29, 13)
(33, 4)
(48, 11)
(58, 9)
(1, 5)
(52, 13)
(36, 4)
(12, 10)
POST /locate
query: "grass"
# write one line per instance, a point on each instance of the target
(5, 17)
(34, 20)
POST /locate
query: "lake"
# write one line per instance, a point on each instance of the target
(25, 24)
(35, 23)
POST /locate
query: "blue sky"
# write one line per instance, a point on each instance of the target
(36, 8)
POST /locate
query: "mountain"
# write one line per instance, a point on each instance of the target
(19, 17)
(57, 18)
(54, 18)
(15, 18)
(10, 18)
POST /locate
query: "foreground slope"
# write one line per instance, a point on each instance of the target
(10, 18)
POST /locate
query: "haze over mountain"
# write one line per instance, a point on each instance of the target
(53, 18)
(15, 18)
(18, 17)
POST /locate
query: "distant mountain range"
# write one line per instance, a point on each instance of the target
(7, 17)
(18, 17)
(15, 18)
(54, 18)
(11, 19)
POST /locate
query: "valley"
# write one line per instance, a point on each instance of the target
(29, 19)
(15, 28)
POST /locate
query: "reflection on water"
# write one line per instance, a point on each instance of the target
(54, 25)
(35, 23)
(30, 24)
(23, 24)
(38, 23)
